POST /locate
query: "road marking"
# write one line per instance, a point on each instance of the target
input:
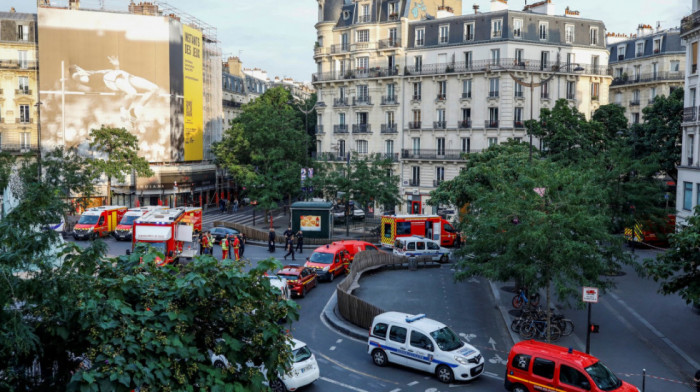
(338, 383)
(410, 384)
(492, 375)
(498, 360)
(467, 337)
(339, 341)
(492, 343)
(395, 390)
(323, 320)
(332, 348)
(333, 361)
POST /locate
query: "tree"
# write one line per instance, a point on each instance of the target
(307, 116)
(539, 222)
(264, 148)
(678, 268)
(659, 136)
(117, 155)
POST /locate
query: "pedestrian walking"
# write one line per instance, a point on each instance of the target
(222, 205)
(300, 242)
(236, 247)
(224, 247)
(288, 233)
(290, 247)
(235, 205)
(271, 240)
(242, 239)
(697, 380)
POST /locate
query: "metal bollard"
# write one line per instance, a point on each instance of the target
(644, 379)
(412, 263)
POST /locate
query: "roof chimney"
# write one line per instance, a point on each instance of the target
(12, 10)
(476, 8)
(499, 5)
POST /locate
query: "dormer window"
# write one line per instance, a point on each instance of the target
(657, 45)
(444, 34)
(496, 28)
(469, 31)
(544, 30)
(391, 10)
(621, 52)
(517, 28)
(362, 36)
(639, 51)
(594, 35)
(420, 37)
(569, 33)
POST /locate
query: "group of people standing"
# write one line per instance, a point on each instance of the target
(292, 241)
(232, 246)
(225, 205)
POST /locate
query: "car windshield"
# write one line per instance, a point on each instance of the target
(603, 377)
(321, 258)
(158, 246)
(301, 354)
(446, 339)
(289, 276)
(88, 219)
(128, 219)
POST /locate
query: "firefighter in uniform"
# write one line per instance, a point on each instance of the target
(236, 247)
(224, 247)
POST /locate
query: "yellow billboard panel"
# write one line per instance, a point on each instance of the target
(192, 49)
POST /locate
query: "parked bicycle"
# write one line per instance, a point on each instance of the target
(523, 298)
(565, 325)
(538, 329)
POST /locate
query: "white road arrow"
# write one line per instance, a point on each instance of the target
(468, 337)
(492, 343)
(497, 360)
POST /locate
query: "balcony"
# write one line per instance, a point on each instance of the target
(328, 156)
(415, 98)
(393, 17)
(364, 19)
(414, 182)
(394, 157)
(361, 128)
(389, 128)
(362, 101)
(646, 78)
(465, 124)
(634, 102)
(414, 125)
(518, 94)
(319, 129)
(340, 128)
(690, 114)
(690, 22)
(544, 95)
(23, 120)
(389, 100)
(338, 102)
(357, 73)
(439, 124)
(340, 48)
(23, 91)
(389, 43)
(493, 94)
(19, 148)
(436, 183)
(434, 154)
(17, 64)
(518, 125)
(466, 95)
(441, 97)
(490, 124)
(571, 97)
(506, 64)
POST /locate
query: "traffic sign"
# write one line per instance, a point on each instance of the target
(590, 294)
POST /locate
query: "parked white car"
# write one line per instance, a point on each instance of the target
(417, 246)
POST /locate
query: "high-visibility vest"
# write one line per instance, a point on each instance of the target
(236, 244)
(224, 244)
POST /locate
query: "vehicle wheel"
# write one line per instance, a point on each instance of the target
(535, 299)
(444, 259)
(518, 388)
(278, 386)
(444, 374)
(517, 302)
(379, 357)
(527, 331)
(303, 292)
(566, 326)
(93, 236)
(554, 333)
(331, 276)
(516, 325)
(219, 365)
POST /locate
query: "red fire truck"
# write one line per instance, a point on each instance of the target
(193, 217)
(125, 228)
(98, 222)
(429, 226)
(169, 231)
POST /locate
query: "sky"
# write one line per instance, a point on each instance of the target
(278, 35)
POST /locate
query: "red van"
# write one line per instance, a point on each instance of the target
(536, 366)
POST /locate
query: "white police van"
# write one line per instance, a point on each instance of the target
(424, 344)
(418, 246)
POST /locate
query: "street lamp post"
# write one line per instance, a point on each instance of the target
(532, 86)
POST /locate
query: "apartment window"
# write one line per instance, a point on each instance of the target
(635, 118)
(442, 90)
(420, 37)
(416, 116)
(595, 90)
(467, 88)
(544, 90)
(518, 116)
(416, 91)
(391, 91)
(639, 49)
(595, 62)
(440, 115)
(22, 33)
(444, 34)
(675, 66)
(544, 30)
(466, 144)
(657, 45)
(594, 35)
(362, 36)
(621, 52)
(493, 87)
(496, 28)
(468, 59)
(344, 41)
(466, 117)
(393, 36)
(518, 90)
(691, 147)
(390, 62)
(439, 173)
(415, 176)
(688, 196)
(361, 118)
(416, 145)
(362, 63)
(570, 90)
(569, 33)
(618, 98)
(361, 146)
(652, 94)
(495, 56)
(519, 57)
(341, 148)
(22, 57)
(618, 72)
(392, 10)
(341, 93)
(442, 60)
(570, 59)
(517, 28)
(23, 84)
(544, 60)
(654, 70)
(493, 117)
(389, 147)
(341, 118)
(469, 31)
(418, 63)
(362, 92)
(364, 11)
(492, 141)
(24, 114)
(24, 140)
(389, 117)
(440, 144)
(637, 72)
(636, 94)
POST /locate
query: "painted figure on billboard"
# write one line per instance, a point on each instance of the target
(121, 81)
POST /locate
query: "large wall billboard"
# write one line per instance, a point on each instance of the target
(112, 69)
(192, 52)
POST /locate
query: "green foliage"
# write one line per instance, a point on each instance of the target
(7, 160)
(659, 137)
(264, 148)
(679, 267)
(117, 155)
(559, 240)
(368, 180)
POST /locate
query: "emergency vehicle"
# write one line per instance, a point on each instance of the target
(193, 217)
(98, 222)
(334, 259)
(651, 233)
(168, 231)
(125, 227)
(432, 227)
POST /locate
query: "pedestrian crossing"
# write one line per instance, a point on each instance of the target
(242, 217)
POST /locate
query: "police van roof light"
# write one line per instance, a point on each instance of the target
(415, 318)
